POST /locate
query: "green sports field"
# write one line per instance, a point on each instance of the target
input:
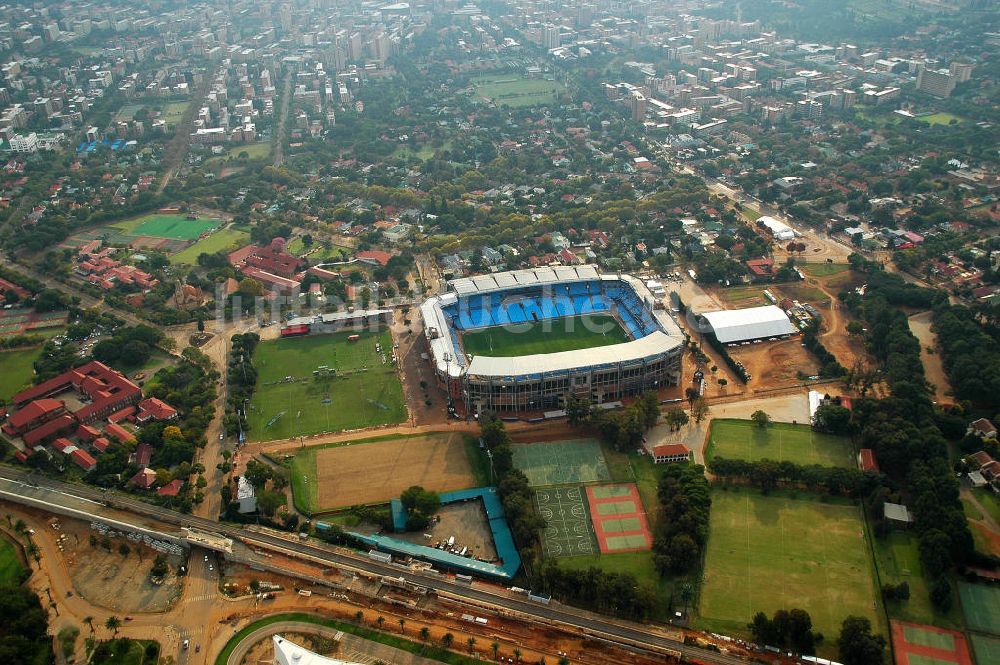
(898, 559)
(16, 370)
(773, 552)
(11, 569)
(524, 339)
(981, 604)
(220, 241)
(174, 227)
(289, 401)
(516, 91)
(782, 442)
(561, 462)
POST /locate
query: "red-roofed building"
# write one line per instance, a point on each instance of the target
(123, 414)
(374, 257)
(761, 269)
(107, 390)
(295, 331)
(152, 408)
(670, 453)
(52, 428)
(173, 488)
(274, 259)
(34, 414)
(143, 455)
(100, 444)
(118, 432)
(144, 478)
(866, 460)
(61, 444)
(86, 433)
(83, 459)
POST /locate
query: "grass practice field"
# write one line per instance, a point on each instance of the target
(368, 472)
(516, 91)
(16, 370)
(981, 604)
(220, 241)
(619, 519)
(561, 462)
(11, 569)
(568, 532)
(898, 559)
(781, 442)
(290, 401)
(823, 269)
(917, 644)
(175, 227)
(123, 651)
(773, 552)
(551, 336)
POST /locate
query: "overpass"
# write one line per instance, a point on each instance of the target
(29, 488)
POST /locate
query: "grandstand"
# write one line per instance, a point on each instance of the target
(552, 306)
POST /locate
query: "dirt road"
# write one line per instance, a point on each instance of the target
(920, 326)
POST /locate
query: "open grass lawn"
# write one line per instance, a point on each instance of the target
(289, 401)
(174, 111)
(253, 151)
(515, 91)
(11, 569)
(898, 560)
(16, 370)
(175, 227)
(317, 252)
(551, 336)
(780, 551)
(750, 214)
(123, 651)
(735, 294)
(803, 293)
(741, 439)
(638, 564)
(220, 241)
(942, 118)
(989, 501)
(823, 269)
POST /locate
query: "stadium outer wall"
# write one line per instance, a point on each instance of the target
(544, 382)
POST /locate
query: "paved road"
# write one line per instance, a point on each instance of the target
(625, 633)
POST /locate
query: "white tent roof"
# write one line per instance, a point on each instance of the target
(736, 325)
(287, 653)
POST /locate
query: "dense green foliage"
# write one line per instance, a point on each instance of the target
(23, 626)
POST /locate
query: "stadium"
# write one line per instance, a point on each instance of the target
(526, 340)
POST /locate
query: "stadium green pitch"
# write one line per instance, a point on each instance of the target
(571, 333)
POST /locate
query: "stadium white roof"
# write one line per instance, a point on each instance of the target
(737, 325)
(624, 353)
(287, 653)
(532, 277)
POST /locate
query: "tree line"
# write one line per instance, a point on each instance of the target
(767, 475)
(682, 531)
(241, 377)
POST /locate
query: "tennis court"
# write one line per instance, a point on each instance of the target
(981, 605)
(568, 532)
(918, 644)
(561, 462)
(619, 519)
(987, 649)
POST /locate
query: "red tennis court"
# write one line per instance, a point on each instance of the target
(917, 644)
(619, 519)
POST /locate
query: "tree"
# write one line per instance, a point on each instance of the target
(471, 644)
(250, 287)
(699, 409)
(855, 328)
(359, 616)
(676, 418)
(447, 640)
(89, 620)
(113, 624)
(269, 501)
(380, 621)
(495, 647)
(124, 549)
(760, 419)
(416, 498)
(402, 623)
(159, 568)
(857, 645)
(425, 634)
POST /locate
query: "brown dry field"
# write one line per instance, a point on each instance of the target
(376, 472)
(776, 364)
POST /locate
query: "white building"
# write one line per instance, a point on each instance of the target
(754, 323)
(245, 496)
(24, 142)
(779, 230)
(288, 653)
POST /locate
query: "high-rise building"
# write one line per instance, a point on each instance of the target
(637, 102)
(937, 82)
(962, 71)
(550, 36)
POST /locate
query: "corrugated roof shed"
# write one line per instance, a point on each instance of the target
(738, 325)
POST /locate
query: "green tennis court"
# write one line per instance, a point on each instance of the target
(622, 525)
(610, 491)
(630, 542)
(616, 508)
(926, 638)
(561, 462)
(981, 605)
(987, 649)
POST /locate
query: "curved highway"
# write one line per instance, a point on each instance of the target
(628, 634)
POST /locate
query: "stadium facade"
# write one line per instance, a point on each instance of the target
(650, 359)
